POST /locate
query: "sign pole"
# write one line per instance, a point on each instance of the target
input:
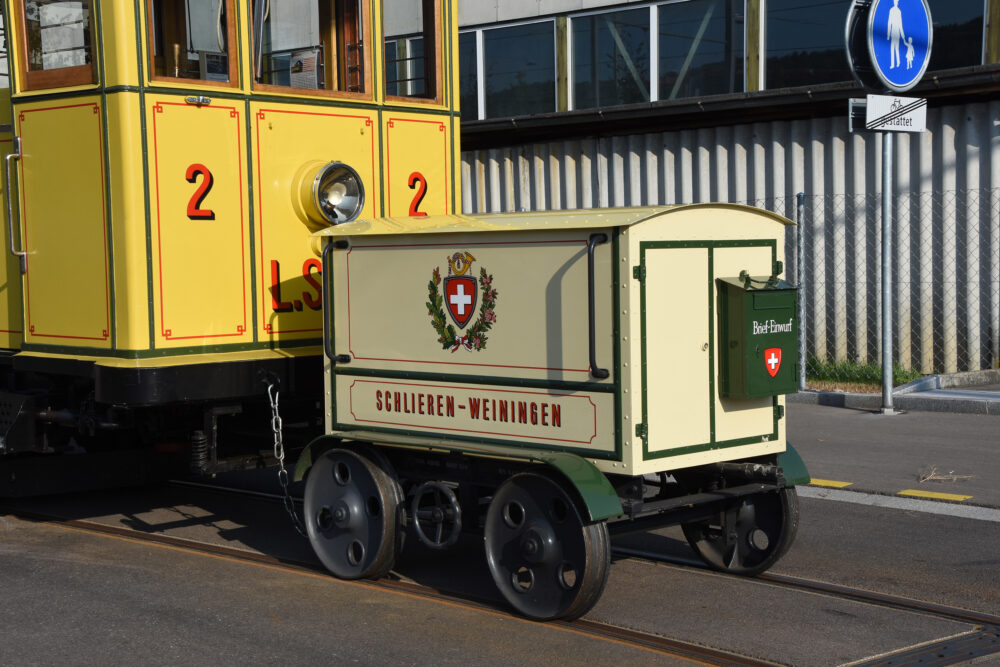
(879, 36)
(887, 194)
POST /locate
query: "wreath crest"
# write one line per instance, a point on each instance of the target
(475, 337)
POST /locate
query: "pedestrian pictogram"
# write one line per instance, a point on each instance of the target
(899, 41)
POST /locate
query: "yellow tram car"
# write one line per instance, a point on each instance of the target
(166, 164)
(207, 199)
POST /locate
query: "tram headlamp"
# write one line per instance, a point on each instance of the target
(330, 194)
(338, 193)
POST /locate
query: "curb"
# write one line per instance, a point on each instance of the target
(907, 397)
(901, 401)
(966, 379)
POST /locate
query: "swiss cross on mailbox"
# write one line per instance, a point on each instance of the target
(772, 360)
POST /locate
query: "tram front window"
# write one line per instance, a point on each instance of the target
(192, 39)
(57, 43)
(309, 44)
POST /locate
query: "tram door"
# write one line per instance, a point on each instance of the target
(11, 318)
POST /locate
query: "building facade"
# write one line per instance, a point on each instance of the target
(578, 104)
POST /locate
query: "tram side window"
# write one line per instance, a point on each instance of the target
(57, 43)
(309, 44)
(410, 28)
(192, 39)
(4, 62)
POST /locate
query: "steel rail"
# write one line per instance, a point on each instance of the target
(896, 602)
(595, 629)
(885, 600)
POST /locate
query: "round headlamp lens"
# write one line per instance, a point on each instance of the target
(338, 193)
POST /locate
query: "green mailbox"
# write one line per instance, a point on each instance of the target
(759, 336)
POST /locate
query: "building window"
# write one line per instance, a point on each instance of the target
(805, 43)
(57, 43)
(611, 58)
(700, 48)
(309, 44)
(410, 28)
(193, 39)
(468, 66)
(520, 69)
(958, 34)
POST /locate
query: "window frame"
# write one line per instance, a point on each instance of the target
(477, 34)
(652, 31)
(745, 54)
(232, 53)
(366, 54)
(438, 35)
(480, 33)
(60, 77)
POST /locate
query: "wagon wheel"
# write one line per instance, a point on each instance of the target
(749, 536)
(351, 509)
(437, 516)
(546, 562)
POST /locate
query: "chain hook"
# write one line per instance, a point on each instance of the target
(279, 452)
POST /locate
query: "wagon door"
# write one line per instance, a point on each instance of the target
(60, 182)
(200, 243)
(11, 320)
(684, 411)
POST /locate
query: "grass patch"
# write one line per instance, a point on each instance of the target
(854, 377)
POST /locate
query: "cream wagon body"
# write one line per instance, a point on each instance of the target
(625, 363)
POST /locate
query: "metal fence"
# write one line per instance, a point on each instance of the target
(946, 282)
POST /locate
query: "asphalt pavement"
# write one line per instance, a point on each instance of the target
(941, 442)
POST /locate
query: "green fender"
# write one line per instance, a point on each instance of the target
(593, 488)
(793, 466)
(598, 496)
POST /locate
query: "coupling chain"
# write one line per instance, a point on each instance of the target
(279, 453)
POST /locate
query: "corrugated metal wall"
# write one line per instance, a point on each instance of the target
(947, 249)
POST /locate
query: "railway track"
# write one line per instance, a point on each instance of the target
(983, 641)
(664, 646)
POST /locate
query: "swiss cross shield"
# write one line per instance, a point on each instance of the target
(772, 360)
(460, 296)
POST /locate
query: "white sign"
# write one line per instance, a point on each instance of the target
(889, 113)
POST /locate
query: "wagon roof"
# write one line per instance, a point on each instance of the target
(539, 220)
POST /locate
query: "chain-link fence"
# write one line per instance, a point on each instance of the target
(945, 284)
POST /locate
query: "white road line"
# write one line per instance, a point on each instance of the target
(895, 502)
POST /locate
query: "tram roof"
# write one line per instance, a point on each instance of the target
(534, 220)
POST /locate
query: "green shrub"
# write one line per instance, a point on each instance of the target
(852, 371)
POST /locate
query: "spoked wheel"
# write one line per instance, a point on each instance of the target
(544, 560)
(351, 509)
(437, 515)
(749, 536)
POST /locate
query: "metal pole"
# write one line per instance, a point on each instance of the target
(800, 273)
(887, 192)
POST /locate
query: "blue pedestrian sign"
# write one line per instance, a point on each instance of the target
(899, 41)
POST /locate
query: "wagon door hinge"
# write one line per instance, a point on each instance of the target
(641, 431)
(639, 272)
(779, 412)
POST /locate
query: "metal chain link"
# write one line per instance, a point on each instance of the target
(279, 453)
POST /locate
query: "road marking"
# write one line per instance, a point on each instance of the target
(896, 502)
(933, 494)
(829, 483)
